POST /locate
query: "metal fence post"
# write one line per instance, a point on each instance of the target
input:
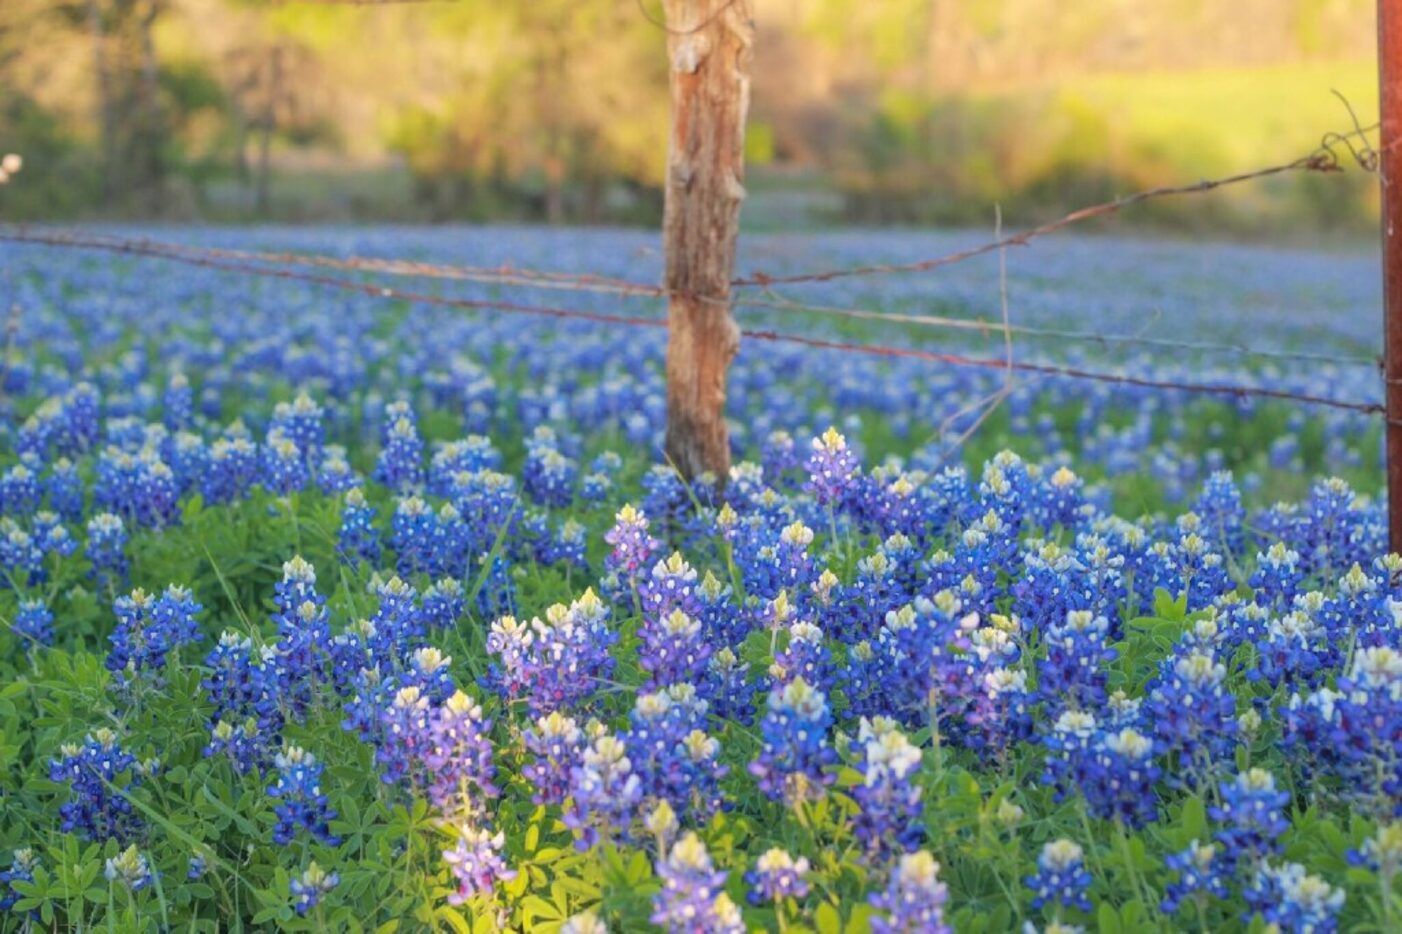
(1390, 168)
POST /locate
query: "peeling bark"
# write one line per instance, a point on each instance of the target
(709, 46)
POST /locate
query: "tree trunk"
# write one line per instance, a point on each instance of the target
(709, 45)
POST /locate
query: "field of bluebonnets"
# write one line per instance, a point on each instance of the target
(328, 612)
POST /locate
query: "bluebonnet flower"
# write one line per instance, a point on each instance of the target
(777, 876)
(1200, 872)
(548, 476)
(1291, 899)
(21, 870)
(1118, 778)
(692, 899)
(795, 757)
(553, 663)
(633, 547)
(129, 868)
(913, 900)
(301, 422)
(179, 403)
(727, 687)
(65, 490)
(673, 649)
(34, 623)
(1355, 732)
(444, 603)
(21, 555)
(604, 789)
(301, 803)
(889, 807)
(247, 746)
(1061, 877)
(476, 863)
(335, 475)
(556, 742)
(832, 468)
(403, 734)
(20, 490)
(285, 469)
(1073, 672)
(1278, 577)
(779, 459)
(458, 756)
(150, 627)
(1192, 713)
(233, 468)
(400, 465)
(99, 775)
(313, 885)
(358, 540)
(676, 760)
(1252, 809)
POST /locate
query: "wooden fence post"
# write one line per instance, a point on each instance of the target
(709, 48)
(1390, 172)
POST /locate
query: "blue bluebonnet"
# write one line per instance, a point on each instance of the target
(554, 663)
(795, 759)
(149, 627)
(1073, 672)
(913, 900)
(358, 540)
(301, 804)
(1293, 900)
(20, 490)
(889, 804)
(179, 403)
(21, 870)
(21, 555)
(400, 464)
(1354, 732)
(676, 760)
(285, 469)
(1252, 809)
(548, 477)
(1192, 713)
(311, 887)
(1061, 878)
(1118, 777)
(232, 470)
(99, 775)
(65, 490)
(1201, 873)
(34, 623)
(129, 868)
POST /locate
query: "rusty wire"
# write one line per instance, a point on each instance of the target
(1323, 159)
(587, 282)
(878, 350)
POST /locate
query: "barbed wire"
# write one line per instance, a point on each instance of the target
(1323, 159)
(587, 282)
(879, 350)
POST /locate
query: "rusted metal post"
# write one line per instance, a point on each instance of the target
(1390, 173)
(709, 47)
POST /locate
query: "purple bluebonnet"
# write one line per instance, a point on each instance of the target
(553, 663)
(475, 862)
(692, 899)
(458, 756)
(833, 468)
(776, 876)
(913, 900)
(605, 791)
(633, 548)
(557, 744)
